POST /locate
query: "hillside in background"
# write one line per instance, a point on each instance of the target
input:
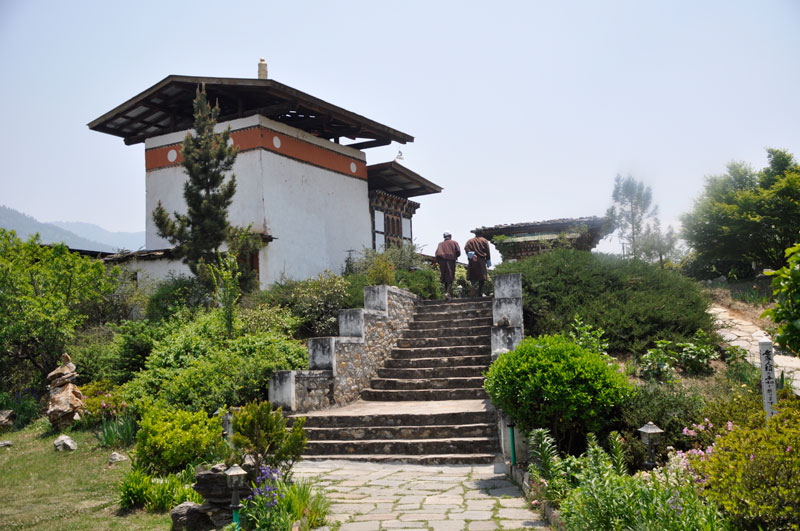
(131, 241)
(83, 236)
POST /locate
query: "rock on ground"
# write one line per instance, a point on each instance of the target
(190, 517)
(116, 457)
(65, 442)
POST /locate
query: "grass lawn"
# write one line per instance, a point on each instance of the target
(44, 489)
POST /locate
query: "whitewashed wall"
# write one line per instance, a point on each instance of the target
(315, 215)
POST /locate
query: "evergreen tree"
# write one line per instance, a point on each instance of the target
(207, 157)
(631, 210)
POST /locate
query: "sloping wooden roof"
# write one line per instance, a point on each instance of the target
(167, 107)
(556, 226)
(396, 179)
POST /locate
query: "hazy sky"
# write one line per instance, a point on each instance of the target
(522, 111)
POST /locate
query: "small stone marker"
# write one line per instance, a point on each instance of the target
(5, 444)
(65, 442)
(768, 385)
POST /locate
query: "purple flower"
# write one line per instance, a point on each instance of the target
(788, 448)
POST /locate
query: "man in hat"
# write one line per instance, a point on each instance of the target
(478, 259)
(446, 254)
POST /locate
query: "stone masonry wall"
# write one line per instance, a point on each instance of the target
(313, 390)
(344, 365)
(357, 362)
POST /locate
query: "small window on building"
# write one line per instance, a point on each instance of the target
(380, 237)
(407, 229)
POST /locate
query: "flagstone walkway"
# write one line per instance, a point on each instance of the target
(742, 333)
(382, 496)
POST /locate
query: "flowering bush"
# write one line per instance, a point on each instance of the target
(753, 473)
(275, 504)
(102, 400)
(665, 499)
(262, 509)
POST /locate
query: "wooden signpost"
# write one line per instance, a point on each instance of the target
(768, 384)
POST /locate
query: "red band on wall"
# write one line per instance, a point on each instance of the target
(259, 137)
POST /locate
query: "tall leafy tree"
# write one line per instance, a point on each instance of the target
(208, 191)
(746, 219)
(631, 210)
(44, 290)
(657, 245)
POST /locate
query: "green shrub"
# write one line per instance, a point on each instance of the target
(306, 504)
(695, 357)
(664, 501)
(155, 494)
(422, 282)
(550, 382)
(786, 289)
(175, 293)
(233, 376)
(658, 363)
(276, 504)
(195, 366)
(753, 473)
(266, 319)
(117, 432)
(24, 405)
(633, 302)
(355, 290)
(189, 336)
(171, 439)
(168, 492)
(381, 272)
(102, 400)
(315, 302)
(670, 407)
(260, 431)
(134, 490)
(93, 352)
(125, 301)
(133, 343)
(588, 337)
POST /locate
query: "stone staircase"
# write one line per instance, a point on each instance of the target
(427, 403)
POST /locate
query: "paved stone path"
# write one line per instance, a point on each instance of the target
(382, 496)
(742, 333)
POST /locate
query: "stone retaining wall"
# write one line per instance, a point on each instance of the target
(340, 367)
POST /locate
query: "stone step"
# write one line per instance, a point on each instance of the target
(401, 432)
(463, 371)
(452, 316)
(453, 306)
(399, 419)
(432, 459)
(439, 361)
(459, 327)
(447, 341)
(433, 352)
(463, 445)
(427, 383)
(447, 330)
(384, 395)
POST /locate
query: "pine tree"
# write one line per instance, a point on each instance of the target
(631, 210)
(207, 157)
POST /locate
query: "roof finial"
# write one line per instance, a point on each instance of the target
(262, 69)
